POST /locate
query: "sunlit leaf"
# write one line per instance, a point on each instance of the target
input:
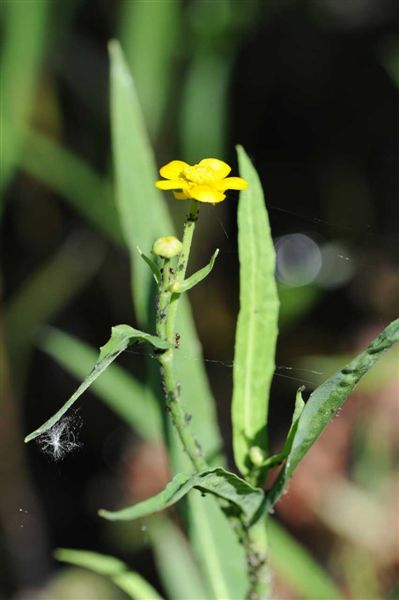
(325, 402)
(122, 336)
(199, 275)
(218, 482)
(256, 332)
(116, 387)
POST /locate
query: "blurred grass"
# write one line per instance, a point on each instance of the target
(45, 292)
(151, 34)
(25, 30)
(74, 180)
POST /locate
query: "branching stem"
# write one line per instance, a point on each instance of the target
(253, 539)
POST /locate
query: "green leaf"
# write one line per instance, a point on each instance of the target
(86, 191)
(132, 583)
(121, 337)
(256, 332)
(198, 276)
(325, 402)
(296, 567)
(153, 266)
(116, 387)
(247, 499)
(278, 458)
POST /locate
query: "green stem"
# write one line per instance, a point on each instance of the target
(253, 539)
(256, 551)
(189, 228)
(165, 325)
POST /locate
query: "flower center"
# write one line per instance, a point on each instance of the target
(200, 175)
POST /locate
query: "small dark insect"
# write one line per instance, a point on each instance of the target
(171, 271)
(177, 340)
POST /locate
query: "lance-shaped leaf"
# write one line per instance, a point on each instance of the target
(218, 482)
(256, 332)
(198, 276)
(325, 402)
(131, 583)
(121, 337)
(152, 264)
(278, 458)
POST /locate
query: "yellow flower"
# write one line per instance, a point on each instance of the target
(206, 182)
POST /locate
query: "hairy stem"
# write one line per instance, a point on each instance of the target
(165, 325)
(253, 539)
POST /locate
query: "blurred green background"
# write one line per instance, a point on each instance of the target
(310, 88)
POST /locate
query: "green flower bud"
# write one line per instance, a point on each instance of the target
(256, 456)
(167, 246)
(174, 287)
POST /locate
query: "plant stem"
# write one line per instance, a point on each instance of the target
(165, 325)
(255, 545)
(189, 228)
(253, 539)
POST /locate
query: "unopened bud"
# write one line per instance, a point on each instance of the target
(256, 455)
(167, 246)
(174, 287)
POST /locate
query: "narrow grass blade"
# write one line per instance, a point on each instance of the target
(256, 332)
(218, 482)
(296, 567)
(25, 34)
(325, 402)
(86, 191)
(173, 556)
(199, 275)
(117, 388)
(150, 34)
(121, 337)
(132, 584)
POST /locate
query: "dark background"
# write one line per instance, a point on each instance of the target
(310, 89)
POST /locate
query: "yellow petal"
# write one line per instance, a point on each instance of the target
(169, 184)
(233, 183)
(173, 169)
(180, 196)
(221, 168)
(205, 193)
